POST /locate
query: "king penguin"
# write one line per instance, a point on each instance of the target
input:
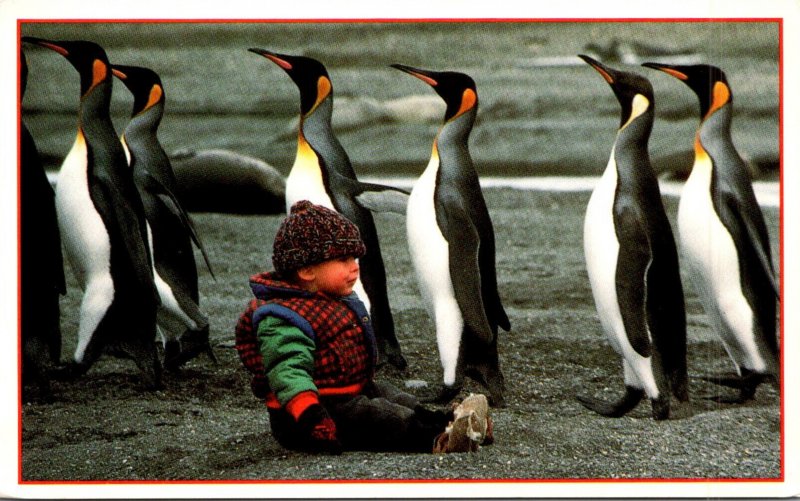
(452, 245)
(632, 260)
(183, 327)
(102, 226)
(41, 263)
(322, 174)
(724, 238)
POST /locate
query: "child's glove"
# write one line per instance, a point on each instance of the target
(315, 423)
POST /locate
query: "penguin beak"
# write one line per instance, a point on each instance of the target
(119, 73)
(424, 75)
(46, 43)
(669, 70)
(606, 72)
(278, 59)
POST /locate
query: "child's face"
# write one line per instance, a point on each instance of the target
(335, 277)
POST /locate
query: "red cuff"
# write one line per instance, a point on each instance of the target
(300, 402)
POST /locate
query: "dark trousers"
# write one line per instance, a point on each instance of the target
(382, 418)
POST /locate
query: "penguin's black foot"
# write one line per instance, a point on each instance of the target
(445, 395)
(492, 380)
(397, 360)
(67, 372)
(172, 355)
(192, 344)
(747, 384)
(629, 400)
(660, 407)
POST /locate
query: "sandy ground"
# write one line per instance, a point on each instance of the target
(205, 425)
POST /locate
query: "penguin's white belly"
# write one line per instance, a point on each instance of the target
(601, 249)
(430, 256)
(711, 255)
(86, 242)
(83, 232)
(305, 183)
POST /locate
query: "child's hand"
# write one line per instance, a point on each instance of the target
(320, 429)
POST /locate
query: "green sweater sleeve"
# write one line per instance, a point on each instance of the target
(288, 358)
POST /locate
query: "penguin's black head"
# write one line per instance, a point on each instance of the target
(708, 82)
(626, 86)
(87, 57)
(144, 84)
(308, 74)
(457, 89)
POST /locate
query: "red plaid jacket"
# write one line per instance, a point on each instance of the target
(345, 346)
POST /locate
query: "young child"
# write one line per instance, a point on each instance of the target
(319, 350)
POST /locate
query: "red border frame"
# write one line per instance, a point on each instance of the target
(780, 479)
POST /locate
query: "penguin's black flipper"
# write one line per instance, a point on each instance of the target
(629, 400)
(124, 221)
(170, 202)
(380, 198)
(749, 223)
(465, 271)
(632, 264)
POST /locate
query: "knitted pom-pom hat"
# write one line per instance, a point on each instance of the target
(312, 234)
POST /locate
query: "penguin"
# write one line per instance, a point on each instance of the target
(183, 327)
(452, 246)
(632, 260)
(41, 263)
(322, 173)
(102, 226)
(724, 238)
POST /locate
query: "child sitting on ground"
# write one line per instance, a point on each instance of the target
(319, 351)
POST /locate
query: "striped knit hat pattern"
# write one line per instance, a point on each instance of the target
(311, 234)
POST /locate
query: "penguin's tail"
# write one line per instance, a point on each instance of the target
(627, 403)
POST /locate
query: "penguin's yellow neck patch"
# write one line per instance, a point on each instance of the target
(155, 96)
(700, 154)
(721, 94)
(305, 154)
(99, 73)
(638, 106)
(468, 100)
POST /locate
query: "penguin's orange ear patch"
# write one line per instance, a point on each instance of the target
(99, 73)
(155, 95)
(468, 100)
(721, 95)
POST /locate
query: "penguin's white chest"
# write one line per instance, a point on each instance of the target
(83, 232)
(601, 250)
(430, 254)
(711, 254)
(305, 179)
(428, 248)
